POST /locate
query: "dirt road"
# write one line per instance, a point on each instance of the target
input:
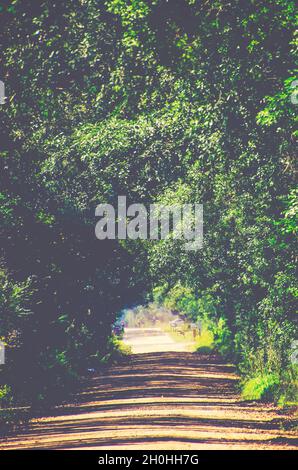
(159, 400)
(146, 340)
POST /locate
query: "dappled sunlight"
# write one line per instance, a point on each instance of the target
(167, 400)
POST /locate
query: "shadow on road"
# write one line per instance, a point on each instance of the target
(163, 400)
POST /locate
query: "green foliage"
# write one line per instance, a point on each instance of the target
(116, 350)
(182, 299)
(121, 349)
(222, 337)
(262, 387)
(5, 395)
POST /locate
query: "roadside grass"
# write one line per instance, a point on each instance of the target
(123, 348)
(262, 387)
(279, 388)
(117, 350)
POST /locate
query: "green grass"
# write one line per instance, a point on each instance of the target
(282, 388)
(124, 349)
(204, 344)
(262, 387)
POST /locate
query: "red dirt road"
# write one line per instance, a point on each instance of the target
(160, 400)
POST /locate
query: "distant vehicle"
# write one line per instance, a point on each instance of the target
(118, 328)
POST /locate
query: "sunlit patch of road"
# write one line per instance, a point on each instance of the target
(149, 340)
